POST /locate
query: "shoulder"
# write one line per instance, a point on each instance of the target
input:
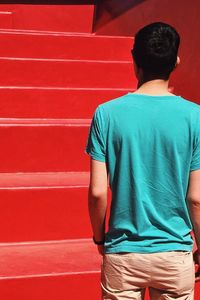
(188, 109)
(192, 111)
(190, 104)
(109, 106)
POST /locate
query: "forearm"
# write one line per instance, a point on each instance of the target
(97, 206)
(195, 217)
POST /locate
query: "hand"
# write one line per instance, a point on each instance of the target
(196, 256)
(101, 250)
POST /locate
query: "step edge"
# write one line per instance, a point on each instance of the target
(50, 275)
(43, 180)
(62, 33)
(43, 243)
(38, 187)
(2, 12)
(65, 60)
(12, 87)
(44, 122)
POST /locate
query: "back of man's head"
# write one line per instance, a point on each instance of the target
(155, 50)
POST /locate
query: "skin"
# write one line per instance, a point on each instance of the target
(98, 187)
(197, 262)
(97, 199)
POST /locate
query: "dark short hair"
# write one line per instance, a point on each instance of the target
(155, 50)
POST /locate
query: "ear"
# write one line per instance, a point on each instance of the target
(178, 61)
(136, 69)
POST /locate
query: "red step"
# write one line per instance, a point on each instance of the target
(77, 256)
(54, 270)
(66, 73)
(53, 102)
(52, 287)
(34, 44)
(37, 145)
(73, 18)
(5, 19)
(44, 206)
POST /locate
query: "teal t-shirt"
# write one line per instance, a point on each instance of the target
(149, 144)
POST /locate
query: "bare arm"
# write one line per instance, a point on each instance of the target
(193, 198)
(194, 208)
(97, 198)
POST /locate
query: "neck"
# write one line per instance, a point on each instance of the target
(154, 87)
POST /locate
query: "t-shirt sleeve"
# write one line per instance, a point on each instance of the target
(96, 141)
(195, 163)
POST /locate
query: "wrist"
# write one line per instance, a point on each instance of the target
(98, 242)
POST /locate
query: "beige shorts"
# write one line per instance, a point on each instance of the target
(167, 275)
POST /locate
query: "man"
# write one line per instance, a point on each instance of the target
(147, 144)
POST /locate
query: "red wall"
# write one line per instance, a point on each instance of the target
(116, 17)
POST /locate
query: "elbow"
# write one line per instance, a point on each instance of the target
(194, 202)
(97, 192)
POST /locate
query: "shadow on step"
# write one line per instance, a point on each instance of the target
(108, 10)
(49, 2)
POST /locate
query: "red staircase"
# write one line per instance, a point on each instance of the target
(54, 73)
